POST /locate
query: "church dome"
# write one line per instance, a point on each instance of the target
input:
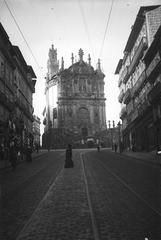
(81, 68)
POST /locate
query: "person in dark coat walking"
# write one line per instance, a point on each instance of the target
(13, 154)
(115, 146)
(68, 159)
(29, 153)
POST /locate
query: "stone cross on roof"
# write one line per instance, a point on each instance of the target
(89, 59)
(72, 59)
(81, 53)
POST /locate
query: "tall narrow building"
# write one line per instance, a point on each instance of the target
(139, 82)
(51, 89)
(76, 106)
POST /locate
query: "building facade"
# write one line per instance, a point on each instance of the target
(17, 85)
(137, 83)
(76, 111)
(36, 131)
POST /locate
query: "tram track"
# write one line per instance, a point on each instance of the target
(94, 228)
(106, 195)
(105, 228)
(130, 189)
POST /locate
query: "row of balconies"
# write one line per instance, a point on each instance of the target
(147, 77)
(5, 101)
(121, 96)
(11, 105)
(24, 109)
(123, 113)
(136, 88)
(152, 97)
(135, 60)
(126, 97)
(154, 68)
(138, 54)
(155, 93)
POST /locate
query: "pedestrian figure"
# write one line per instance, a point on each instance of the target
(2, 150)
(37, 148)
(28, 153)
(13, 155)
(98, 148)
(68, 159)
(115, 146)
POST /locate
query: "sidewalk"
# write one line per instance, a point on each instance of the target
(6, 164)
(150, 157)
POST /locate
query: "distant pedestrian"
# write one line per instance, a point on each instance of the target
(37, 148)
(121, 147)
(13, 154)
(29, 153)
(2, 150)
(98, 148)
(115, 146)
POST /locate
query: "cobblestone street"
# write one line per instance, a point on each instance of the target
(105, 196)
(23, 189)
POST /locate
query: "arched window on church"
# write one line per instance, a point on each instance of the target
(82, 85)
(83, 115)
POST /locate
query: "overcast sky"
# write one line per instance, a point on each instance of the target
(71, 25)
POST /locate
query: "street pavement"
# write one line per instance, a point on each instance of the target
(24, 188)
(63, 213)
(106, 195)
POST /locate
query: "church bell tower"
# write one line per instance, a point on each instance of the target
(51, 89)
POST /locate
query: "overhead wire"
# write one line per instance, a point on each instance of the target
(107, 24)
(86, 27)
(23, 37)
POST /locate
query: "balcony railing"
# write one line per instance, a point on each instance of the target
(136, 58)
(123, 113)
(142, 107)
(134, 114)
(127, 96)
(6, 102)
(154, 68)
(119, 82)
(155, 93)
(24, 108)
(121, 96)
(138, 84)
(126, 74)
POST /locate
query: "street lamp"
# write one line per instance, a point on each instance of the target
(119, 125)
(111, 135)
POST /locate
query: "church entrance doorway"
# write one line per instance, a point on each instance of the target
(84, 132)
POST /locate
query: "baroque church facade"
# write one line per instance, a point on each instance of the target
(75, 102)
